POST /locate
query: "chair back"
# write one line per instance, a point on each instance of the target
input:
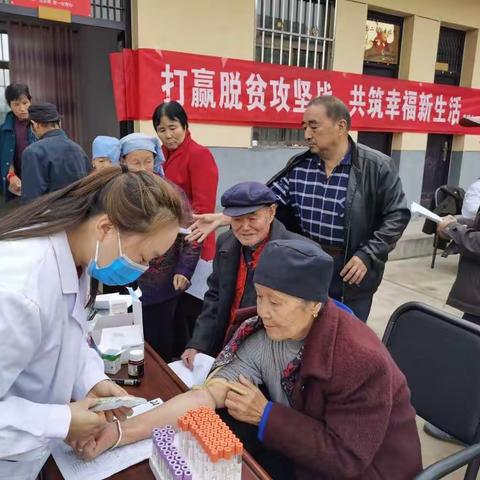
(440, 356)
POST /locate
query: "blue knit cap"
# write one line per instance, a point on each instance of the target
(140, 141)
(104, 146)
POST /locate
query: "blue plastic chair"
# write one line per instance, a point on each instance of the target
(342, 306)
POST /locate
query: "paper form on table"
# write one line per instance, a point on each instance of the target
(110, 462)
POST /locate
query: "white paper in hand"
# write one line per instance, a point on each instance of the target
(202, 365)
(111, 403)
(424, 212)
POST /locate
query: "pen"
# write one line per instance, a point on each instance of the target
(127, 381)
(92, 344)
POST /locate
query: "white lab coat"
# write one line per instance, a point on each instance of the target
(44, 358)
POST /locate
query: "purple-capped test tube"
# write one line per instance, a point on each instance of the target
(156, 430)
(172, 464)
(178, 474)
(164, 440)
(166, 433)
(165, 450)
(187, 474)
(158, 446)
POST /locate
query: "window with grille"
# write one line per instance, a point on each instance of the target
(448, 67)
(295, 33)
(112, 10)
(4, 73)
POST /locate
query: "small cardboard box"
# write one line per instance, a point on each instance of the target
(112, 359)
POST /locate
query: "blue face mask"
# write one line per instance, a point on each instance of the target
(121, 271)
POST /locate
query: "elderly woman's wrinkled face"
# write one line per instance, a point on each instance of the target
(139, 160)
(253, 228)
(285, 317)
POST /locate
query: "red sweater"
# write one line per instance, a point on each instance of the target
(351, 415)
(192, 167)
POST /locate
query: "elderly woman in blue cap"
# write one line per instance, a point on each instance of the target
(105, 152)
(167, 276)
(142, 152)
(332, 402)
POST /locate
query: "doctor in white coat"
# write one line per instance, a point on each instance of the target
(106, 226)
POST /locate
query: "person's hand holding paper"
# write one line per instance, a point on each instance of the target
(446, 221)
(107, 388)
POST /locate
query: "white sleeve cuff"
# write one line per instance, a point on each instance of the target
(57, 422)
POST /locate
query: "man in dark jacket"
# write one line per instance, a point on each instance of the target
(54, 161)
(251, 206)
(15, 136)
(345, 196)
(465, 233)
(465, 293)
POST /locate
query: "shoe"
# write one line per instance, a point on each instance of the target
(435, 432)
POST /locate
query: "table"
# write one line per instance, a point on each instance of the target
(159, 381)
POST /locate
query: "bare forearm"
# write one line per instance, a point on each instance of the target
(224, 220)
(141, 427)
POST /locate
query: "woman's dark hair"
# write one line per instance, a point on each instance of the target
(134, 202)
(173, 111)
(15, 90)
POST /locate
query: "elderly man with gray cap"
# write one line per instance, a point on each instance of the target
(54, 161)
(251, 207)
(334, 404)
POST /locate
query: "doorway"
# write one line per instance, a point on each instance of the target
(381, 141)
(437, 166)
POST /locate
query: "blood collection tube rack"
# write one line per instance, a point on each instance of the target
(201, 448)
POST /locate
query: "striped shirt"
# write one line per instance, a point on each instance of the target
(318, 201)
(263, 361)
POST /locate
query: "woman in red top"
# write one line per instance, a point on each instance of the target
(192, 167)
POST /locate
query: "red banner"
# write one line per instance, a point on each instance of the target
(229, 91)
(76, 7)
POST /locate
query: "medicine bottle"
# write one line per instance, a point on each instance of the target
(136, 364)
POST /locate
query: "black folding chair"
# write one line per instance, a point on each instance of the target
(447, 200)
(440, 356)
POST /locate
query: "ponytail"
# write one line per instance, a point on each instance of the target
(134, 202)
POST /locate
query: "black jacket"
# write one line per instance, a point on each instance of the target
(465, 293)
(212, 323)
(376, 212)
(52, 163)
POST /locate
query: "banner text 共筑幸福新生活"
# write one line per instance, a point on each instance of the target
(239, 92)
